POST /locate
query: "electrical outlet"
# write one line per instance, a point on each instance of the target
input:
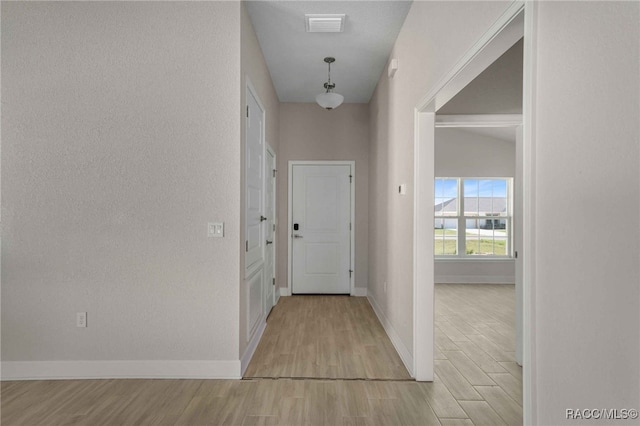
(81, 319)
(215, 230)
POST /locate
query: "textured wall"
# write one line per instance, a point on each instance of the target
(120, 142)
(461, 153)
(255, 68)
(308, 132)
(434, 36)
(587, 160)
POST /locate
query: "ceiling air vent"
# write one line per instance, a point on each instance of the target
(324, 23)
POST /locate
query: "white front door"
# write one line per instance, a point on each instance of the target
(270, 228)
(320, 229)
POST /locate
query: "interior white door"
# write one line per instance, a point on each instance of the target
(255, 149)
(254, 210)
(270, 228)
(320, 235)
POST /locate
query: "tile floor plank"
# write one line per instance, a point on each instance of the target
(481, 358)
(511, 385)
(456, 422)
(469, 369)
(512, 368)
(502, 404)
(482, 414)
(457, 384)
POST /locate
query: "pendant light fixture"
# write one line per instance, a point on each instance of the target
(329, 100)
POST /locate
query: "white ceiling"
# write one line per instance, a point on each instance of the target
(296, 58)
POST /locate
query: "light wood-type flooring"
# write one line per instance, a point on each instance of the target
(477, 383)
(325, 337)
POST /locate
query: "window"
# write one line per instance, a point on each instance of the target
(476, 224)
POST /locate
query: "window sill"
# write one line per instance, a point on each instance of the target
(474, 259)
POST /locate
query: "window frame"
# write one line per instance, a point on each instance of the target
(461, 240)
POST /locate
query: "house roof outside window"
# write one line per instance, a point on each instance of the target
(474, 206)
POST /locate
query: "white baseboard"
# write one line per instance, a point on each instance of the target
(143, 369)
(359, 292)
(474, 279)
(403, 351)
(251, 348)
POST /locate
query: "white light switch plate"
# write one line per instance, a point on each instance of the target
(81, 319)
(215, 230)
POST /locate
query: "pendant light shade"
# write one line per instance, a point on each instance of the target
(329, 99)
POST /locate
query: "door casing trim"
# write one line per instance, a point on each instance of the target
(276, 290)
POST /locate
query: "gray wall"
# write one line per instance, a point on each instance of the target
(462, 153)
(121, 140)
(587, 157)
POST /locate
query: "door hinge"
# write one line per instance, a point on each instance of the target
(274, 281)
(274, 227)
(350, 272)
(349, 226)
(350, 178)
(515, 254)
(274, 172)
(247, 111)
(246, 245)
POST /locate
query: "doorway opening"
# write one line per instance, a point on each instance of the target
(512, 26)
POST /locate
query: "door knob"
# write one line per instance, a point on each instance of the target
(262, 218)
(297, 236)
(269, 242)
